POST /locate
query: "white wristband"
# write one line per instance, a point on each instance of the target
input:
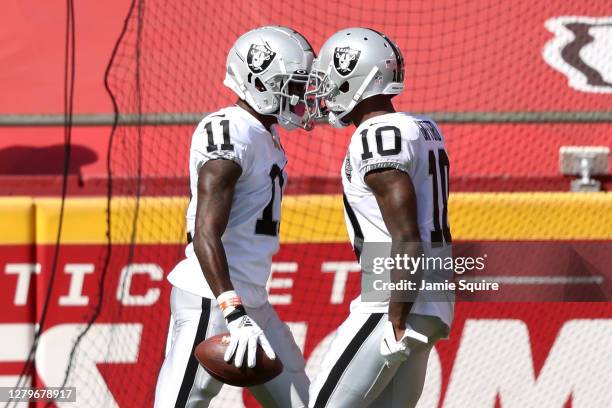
(228, 301)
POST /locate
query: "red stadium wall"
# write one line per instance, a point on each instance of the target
(477, 56)
(473, 30)
(558, 353)
(553, 352)
(494, 157)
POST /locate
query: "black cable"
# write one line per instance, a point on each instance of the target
(69, 79)
(109, 195)
(138, 186)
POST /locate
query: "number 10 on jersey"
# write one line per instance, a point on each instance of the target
(439, 171)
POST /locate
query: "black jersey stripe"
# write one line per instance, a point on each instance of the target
(192, 365)
(357, 233)
(345, 359)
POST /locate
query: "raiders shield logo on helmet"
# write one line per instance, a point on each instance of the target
(259, 58)
(580, 50)
(345, 59)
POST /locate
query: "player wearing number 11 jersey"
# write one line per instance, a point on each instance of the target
(237, 175)
(395, 182)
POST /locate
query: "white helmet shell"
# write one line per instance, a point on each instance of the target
(355, 64)
(260, 66)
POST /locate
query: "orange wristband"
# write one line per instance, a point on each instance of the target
(228, 301)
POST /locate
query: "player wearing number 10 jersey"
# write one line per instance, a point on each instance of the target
(395, 183)
(237, 176)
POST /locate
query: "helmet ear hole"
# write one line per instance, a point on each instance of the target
(344, 88)
(259, 85)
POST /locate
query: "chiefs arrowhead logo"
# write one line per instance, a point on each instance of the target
(581, 50)
(259, 58)
(345, 59)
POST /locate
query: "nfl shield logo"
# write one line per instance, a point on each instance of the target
(345, 59)
(259, 58)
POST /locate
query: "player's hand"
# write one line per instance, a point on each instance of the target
(245, 334)
(396, 351)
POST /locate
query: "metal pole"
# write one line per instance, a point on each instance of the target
(186, 118)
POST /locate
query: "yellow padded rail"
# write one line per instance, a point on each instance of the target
(161, 220)
(16, 220)
(306, 218)
(531, 216)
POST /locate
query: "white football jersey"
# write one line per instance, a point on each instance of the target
(251, 236)
(414, 145)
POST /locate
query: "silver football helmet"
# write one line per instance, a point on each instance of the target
(353, 64)
(268, 68)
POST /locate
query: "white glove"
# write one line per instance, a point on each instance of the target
(397, 351)
(245, 334)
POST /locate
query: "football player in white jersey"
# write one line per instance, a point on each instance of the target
(237, 176)
(395, 182)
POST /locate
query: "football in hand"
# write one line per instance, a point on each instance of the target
(210, 354)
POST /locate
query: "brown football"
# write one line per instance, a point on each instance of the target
(210, 355)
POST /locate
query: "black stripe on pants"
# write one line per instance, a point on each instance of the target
(192, 365)
(345, 358)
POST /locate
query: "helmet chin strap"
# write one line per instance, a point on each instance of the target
(336, 119)
(287, 119)
(287, 124)
(282, 108)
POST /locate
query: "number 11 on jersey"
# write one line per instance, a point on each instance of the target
(267, 225)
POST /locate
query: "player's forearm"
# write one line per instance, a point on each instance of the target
(213, 262)
(401, 302)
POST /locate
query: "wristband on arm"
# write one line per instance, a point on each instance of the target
(231, 306)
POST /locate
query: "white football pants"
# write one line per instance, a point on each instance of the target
(354, 373)
(183, 383)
